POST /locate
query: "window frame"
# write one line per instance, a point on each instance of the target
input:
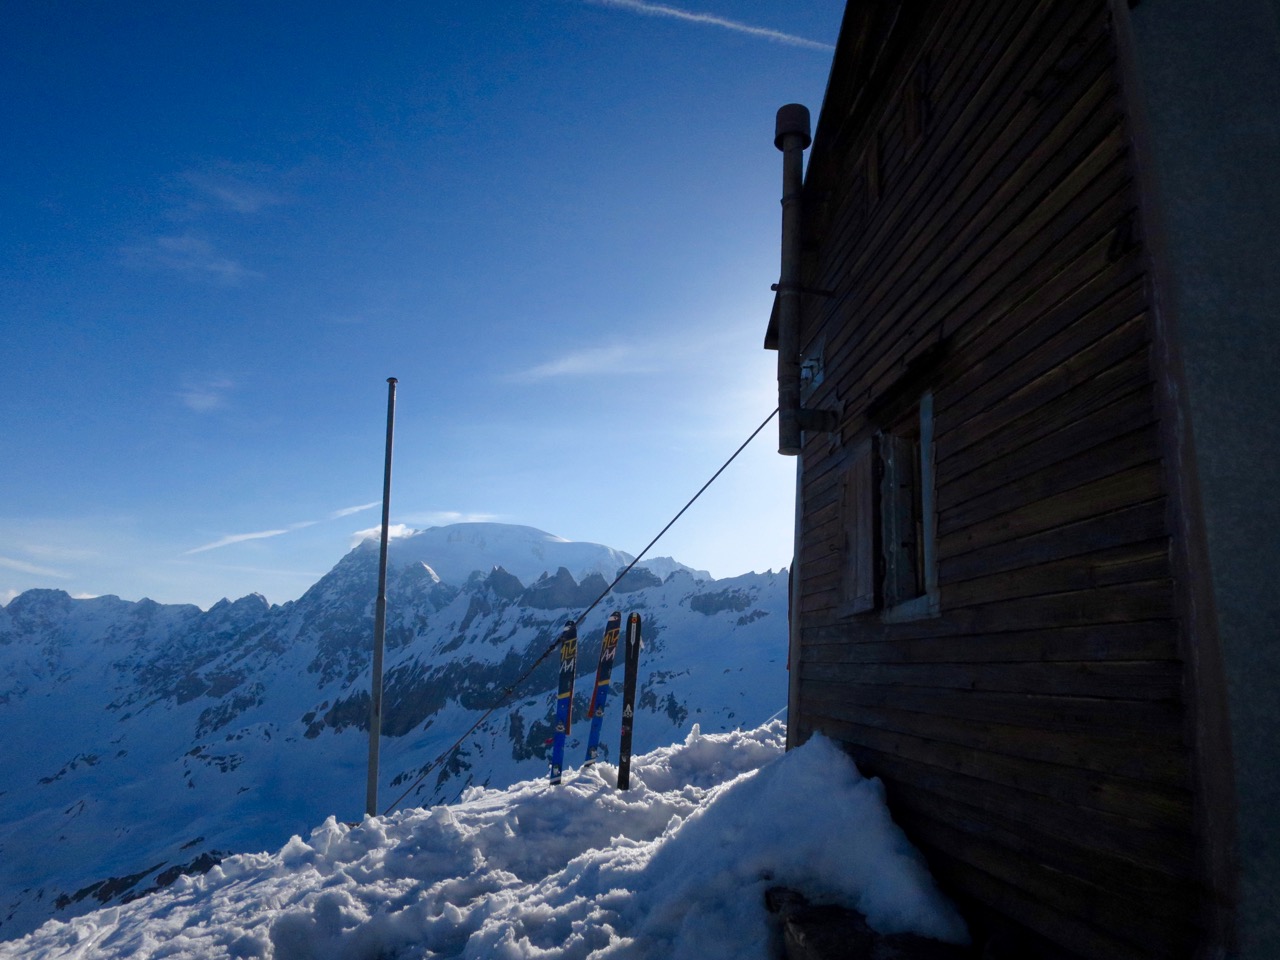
(926, 603)
(866, 505)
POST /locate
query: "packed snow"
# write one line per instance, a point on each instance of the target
(675, 867)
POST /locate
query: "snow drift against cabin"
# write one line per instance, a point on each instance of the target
(674, 868)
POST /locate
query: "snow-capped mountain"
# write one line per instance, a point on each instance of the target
(142, 741)
(455, 552)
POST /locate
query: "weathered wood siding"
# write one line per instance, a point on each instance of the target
(973, 203)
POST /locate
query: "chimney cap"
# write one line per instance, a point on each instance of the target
(792, 118)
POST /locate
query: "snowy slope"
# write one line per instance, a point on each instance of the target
(140, 740)
(674, 868)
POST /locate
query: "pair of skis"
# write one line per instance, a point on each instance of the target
(599, 693)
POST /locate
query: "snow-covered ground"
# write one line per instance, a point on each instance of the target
(675, 867)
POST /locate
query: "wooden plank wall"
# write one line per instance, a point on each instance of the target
(1032, 736)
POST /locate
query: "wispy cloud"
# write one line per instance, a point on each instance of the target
(191, 255)
(419, 521)
(348, 511)
(235, 538)
(264, 534)
(36, 571)
(233, 192)
(589, 361)
(198, 206)
(675, 13)
(664, 352)
(205, 395)
(394, 530)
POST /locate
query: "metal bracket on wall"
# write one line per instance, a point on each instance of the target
(813, 372)
(835, 439)
(818, 421)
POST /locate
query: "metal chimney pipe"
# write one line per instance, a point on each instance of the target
(791, 136)
(380, 616)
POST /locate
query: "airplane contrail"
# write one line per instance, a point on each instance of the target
(675, 13)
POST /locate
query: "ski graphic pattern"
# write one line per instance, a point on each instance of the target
(600, 692)
(631, 661)
(564, 697)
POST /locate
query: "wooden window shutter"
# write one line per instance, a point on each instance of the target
(858, 519)
(898, 526)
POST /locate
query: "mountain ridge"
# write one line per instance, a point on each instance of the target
(144, 738)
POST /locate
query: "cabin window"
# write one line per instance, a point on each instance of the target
(889, 521)
(859, 577)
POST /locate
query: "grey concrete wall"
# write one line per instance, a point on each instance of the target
(1208, 75)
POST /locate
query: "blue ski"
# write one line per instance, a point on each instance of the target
(600, 692)
(632, 664)
(564, 697)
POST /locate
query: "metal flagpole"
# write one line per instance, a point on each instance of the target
(380, 616)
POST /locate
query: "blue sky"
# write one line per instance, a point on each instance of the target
(223, 226)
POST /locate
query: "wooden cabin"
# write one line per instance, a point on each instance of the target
(1028, 347)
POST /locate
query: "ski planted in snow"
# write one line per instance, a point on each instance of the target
(564, 697)
(600, 692)
(631, 661)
